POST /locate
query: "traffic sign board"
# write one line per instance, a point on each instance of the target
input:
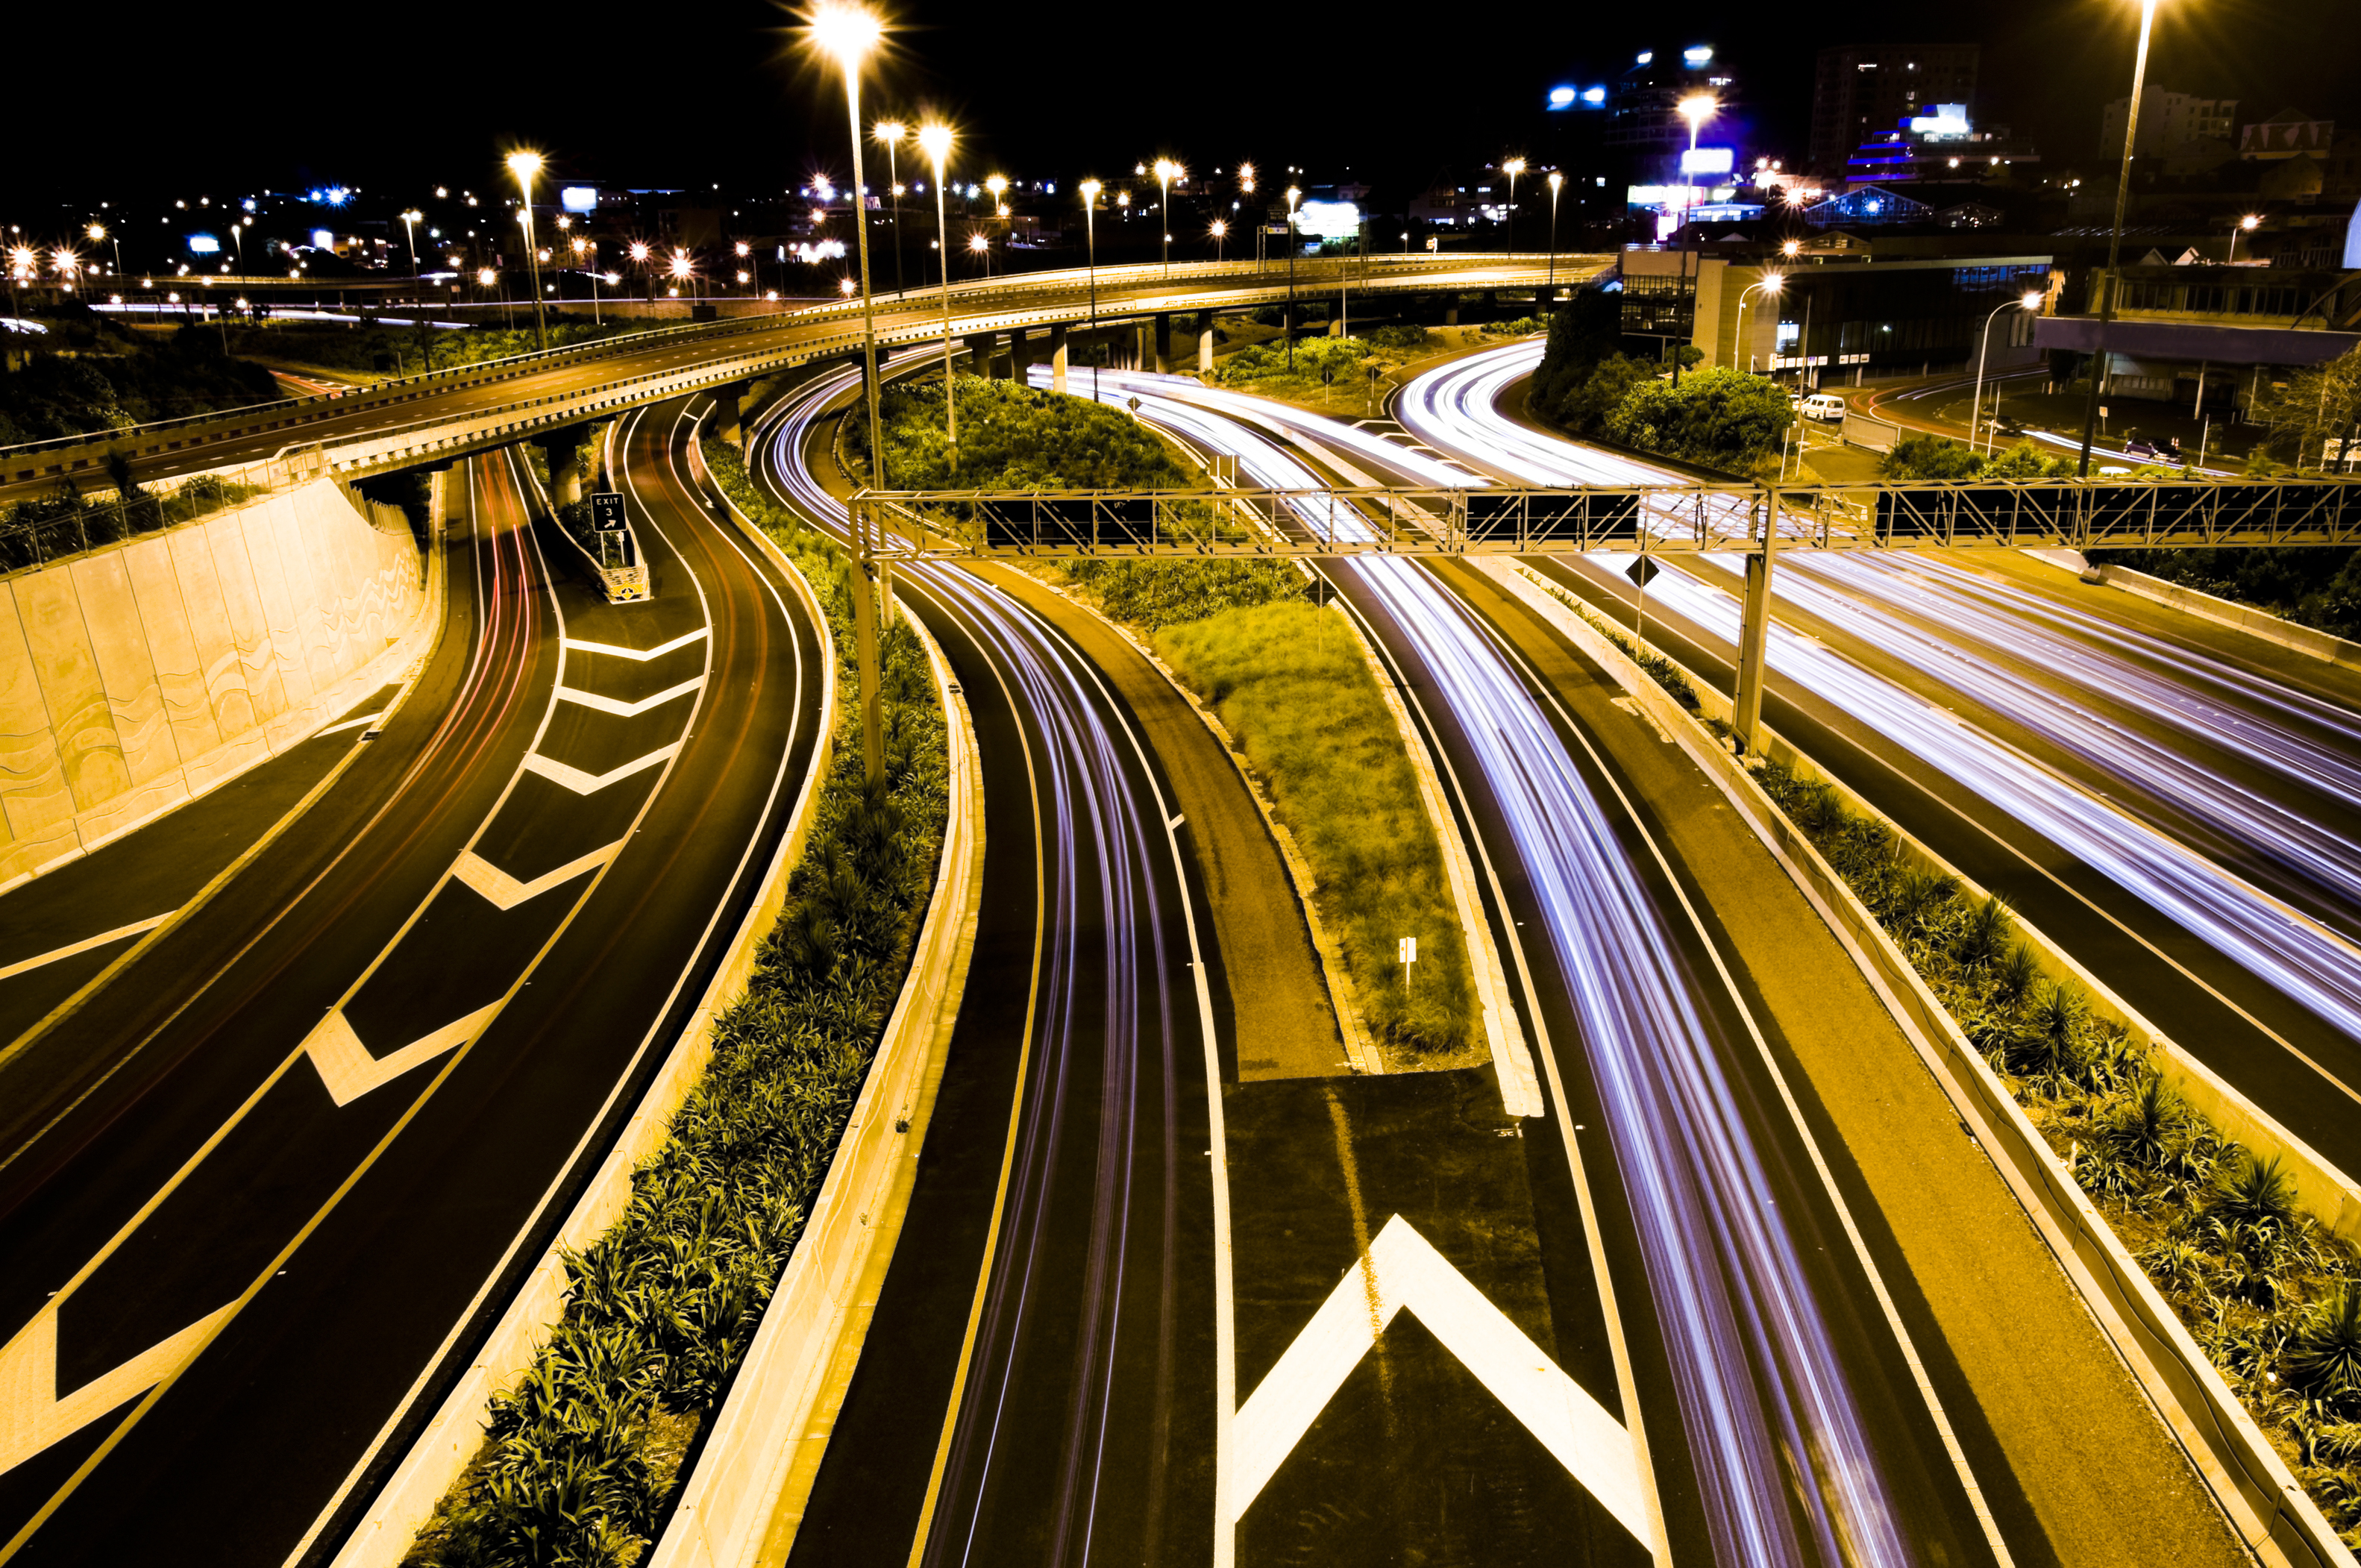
(607, 511)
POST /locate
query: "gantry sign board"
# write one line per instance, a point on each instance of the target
(605, 511)
(2068, 514)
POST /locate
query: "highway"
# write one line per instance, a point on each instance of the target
(2170, 800)
(263, 1189)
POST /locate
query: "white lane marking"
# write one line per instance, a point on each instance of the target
(85, 945)
(640, 655)
(627, 709)
(347, 1069)
(352, 723)
(506, 893)
(33, 1414)
(581, 782)
(1178, 819)
(1401, 1269)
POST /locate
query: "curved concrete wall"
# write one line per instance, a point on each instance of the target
(137, 676)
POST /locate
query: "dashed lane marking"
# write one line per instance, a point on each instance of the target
(85, 945)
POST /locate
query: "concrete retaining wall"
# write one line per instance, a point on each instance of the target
(140, 676)
(2270, 1511)
(2262, 623)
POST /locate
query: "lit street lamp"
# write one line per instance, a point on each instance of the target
(1220, 231)
(891, 133)
(1697, 109)
(2030, 301)
(1167, 172)
(1091, 189)
(1556, 183)
(849, 34)
(2246, 224)
(639, 255)
(2116, 238)
(524, 166)
(935, 142)
(980, 245)
(1293, 196)
(1512, 168)
(1769, 284)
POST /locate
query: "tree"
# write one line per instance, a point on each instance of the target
(1929, 457)
(1583, 407)
(1585, 330)
(2318, 405)
(1719, 419)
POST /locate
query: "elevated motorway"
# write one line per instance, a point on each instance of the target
(435, 418)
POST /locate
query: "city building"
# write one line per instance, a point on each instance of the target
(1861, 92)
(2207, 337)
(2167, 121)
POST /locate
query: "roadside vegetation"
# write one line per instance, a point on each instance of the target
(1285, 678)
(2272, 1297)
(2319, 588)
(1589, 383)
(389, 345)
(88, 374)
(65, 522)
(585, 1454)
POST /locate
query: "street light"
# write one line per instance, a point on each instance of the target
(1770, 283)
(2116, 238)
(98, 231)
(891, 132)
(1091, 189)
(1167, 172)
(639, 255)
(1556, 183)
(1697, 109)
(935, 141)
(524, 166)
(979, 243)
(849, 34)
(1512, 168)
(2030, 301)
(1293, 196)
(1220, 232)
(580, 247)
(2249, 224)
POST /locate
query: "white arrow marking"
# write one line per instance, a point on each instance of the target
(1402, 1269)
(85, 945)
(507, 893)
(641, 655)
(33, 1415)
(348, 1069)
(628, 709)
(581, 782)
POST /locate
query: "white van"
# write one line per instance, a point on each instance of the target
(1822, 406)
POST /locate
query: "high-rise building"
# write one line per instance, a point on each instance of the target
(1862, 90)
(1643, 104)
(2167, 120)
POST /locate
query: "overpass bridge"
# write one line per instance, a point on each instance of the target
(435, 418)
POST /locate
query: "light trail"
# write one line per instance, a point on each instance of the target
(1051, 1334)
(1761, 1385)
(1456, 409)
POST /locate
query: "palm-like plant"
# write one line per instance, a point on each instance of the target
(2323, 1357)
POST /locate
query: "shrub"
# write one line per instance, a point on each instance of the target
(1719, 419)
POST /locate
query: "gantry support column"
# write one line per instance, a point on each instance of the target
(1057, 357)
(1755, 633)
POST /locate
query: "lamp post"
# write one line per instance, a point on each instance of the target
(524, 166)
(1556, 183)
(981, 243)
(935, 142)
(998, 185)
(1167, 172)
(848, 33)
(891, 132)
(409, 218)
(639, 255)
(2246, 224)
(1697, 108)
(2116, 238)
(1293, 196)
(1220, 231)
(1769, 284)
(746, 253)
(1091, 189)
(1512, 168)
(2030, 301)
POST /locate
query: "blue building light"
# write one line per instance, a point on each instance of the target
(1594, 96)
(1699, 55)
(1561, 97)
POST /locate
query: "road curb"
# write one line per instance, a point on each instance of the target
(2265, 1507)
(745, 1498)
(2325, 646)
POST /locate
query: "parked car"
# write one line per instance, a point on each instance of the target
(1822, 406)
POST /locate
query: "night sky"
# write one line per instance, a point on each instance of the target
(280, 95)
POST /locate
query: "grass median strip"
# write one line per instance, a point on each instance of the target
(583, 1456)
(2272, 1297)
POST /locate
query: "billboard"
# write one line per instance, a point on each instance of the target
(1709, 160)
(579, 198)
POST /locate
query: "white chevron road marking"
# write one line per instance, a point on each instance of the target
(641, 655)
(580, 783)
(349, 1071)
(507, 893)
(33, 1414)
(1401, 1269)
(85, 945)
(627, 709)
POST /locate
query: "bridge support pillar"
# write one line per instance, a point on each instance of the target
(1163, 340)
(1746, 716)
(1205, 343)
(564, 449)
(982, 349)
(1057, 357)
(1020, 353)
(1450, 311)
(438, 503)
(725, 410)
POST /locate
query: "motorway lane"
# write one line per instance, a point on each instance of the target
(1755, 1330)
(2267, 995)
(1048, 1360)
(392, 1221)
(920, 314)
